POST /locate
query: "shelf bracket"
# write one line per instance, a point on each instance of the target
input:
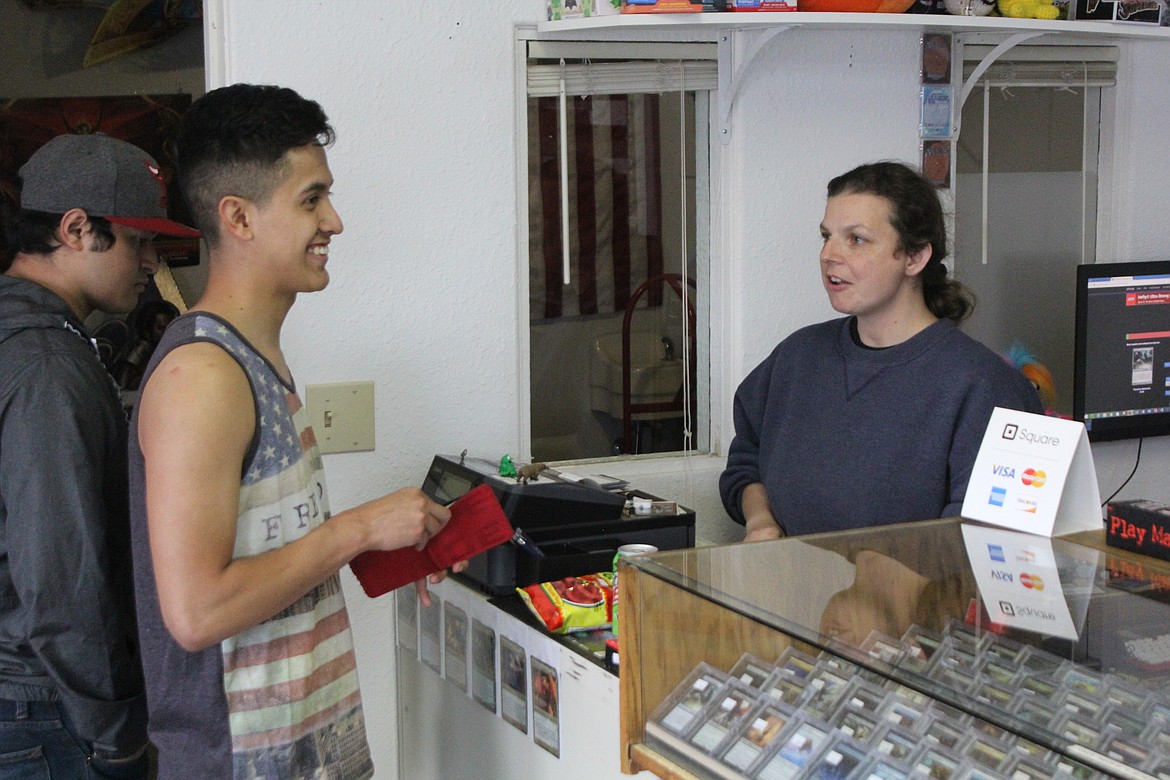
(1003, 48)
(731, 74)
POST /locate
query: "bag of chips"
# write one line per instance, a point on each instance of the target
(573, 603)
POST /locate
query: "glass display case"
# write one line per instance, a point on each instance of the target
(941, 649)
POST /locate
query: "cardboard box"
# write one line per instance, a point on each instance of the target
(580, 9)
(1149, 11)
(761, 5)
(662, 6)
(1139, 526)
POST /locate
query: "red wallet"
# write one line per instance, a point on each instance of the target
(477, 524)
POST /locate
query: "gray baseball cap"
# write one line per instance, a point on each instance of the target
(104, 176)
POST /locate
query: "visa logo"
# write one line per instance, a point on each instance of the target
(1004, 471)
(1002, 576)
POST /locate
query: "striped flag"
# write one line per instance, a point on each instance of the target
(615, 204)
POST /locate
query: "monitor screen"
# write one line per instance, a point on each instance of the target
(1121, 374)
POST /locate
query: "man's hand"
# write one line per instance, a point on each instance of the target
(405, 518)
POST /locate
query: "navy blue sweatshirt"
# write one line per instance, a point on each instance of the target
(843, 436)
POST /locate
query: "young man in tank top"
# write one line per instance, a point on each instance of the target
(249, 661)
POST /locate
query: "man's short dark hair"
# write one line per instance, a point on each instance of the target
(232, 141)
(35, 233)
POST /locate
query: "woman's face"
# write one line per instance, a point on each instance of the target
(862, 268)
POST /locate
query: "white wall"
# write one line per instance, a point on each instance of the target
(424, 298)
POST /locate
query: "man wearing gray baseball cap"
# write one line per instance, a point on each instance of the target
(71, 689)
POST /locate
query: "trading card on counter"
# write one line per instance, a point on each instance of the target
(1080, 705)
(826, 688)
(927, 641)
(1003, 651)
(1159, 717)
(1129, 725)
(940, 710)
(1080, 732)
(1000, 674)
(1025, 750)
(787, 756)
(546, 707)
(1030, 708)
(905, 715)
(964, 635)
(1127, 751)
(880, 647)
(513, 684)
(884, 769)
(784, 690)
(483, 664)
(987, 754)
(752, 671)
(955, 655)
(864, 697)
(1041, 686)
(1040, 662)
(1132, 700)
(827, 660)
(1072, 770)
(1081, 680)
(897, 744)
(937, 764)
(959, 680)
(727, 713)
(1030, 770)
(1158, 737)
(406, 609)
(765, 724)
(859, 725)
(907, 694)
(990, 730)
(430, 627)
(838, 761)
(943, 732)
(455, 645)
(682, 709)
(795, 664)
(995, 695)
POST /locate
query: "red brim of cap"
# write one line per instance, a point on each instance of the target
(159, 225)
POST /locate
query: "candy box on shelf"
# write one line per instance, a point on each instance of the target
(761, 5)
(580, 9)
(661, 6)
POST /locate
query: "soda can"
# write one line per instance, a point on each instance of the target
(625, 551)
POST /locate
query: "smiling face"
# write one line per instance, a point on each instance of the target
(864, 270)
(293, 226)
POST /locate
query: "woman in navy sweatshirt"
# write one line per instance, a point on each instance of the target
(875, 417)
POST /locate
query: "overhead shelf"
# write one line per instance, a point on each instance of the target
(706, 26)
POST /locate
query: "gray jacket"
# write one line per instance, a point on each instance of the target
(67, 625)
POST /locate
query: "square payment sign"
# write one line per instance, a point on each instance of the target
(1035, 474)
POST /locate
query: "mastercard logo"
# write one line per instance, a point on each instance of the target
(1034, 477)
(1031, 581)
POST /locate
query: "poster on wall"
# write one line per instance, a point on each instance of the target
(150, 122)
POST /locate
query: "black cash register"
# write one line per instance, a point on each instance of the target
(564, 527)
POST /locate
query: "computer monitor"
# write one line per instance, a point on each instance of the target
(1121, 374)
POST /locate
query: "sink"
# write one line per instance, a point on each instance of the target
(653, 378)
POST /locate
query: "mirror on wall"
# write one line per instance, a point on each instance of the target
(634, 305)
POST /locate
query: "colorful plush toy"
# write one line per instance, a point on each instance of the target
(1035, 372)
(1029, 9)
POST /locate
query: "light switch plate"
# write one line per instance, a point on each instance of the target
(342, 416)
